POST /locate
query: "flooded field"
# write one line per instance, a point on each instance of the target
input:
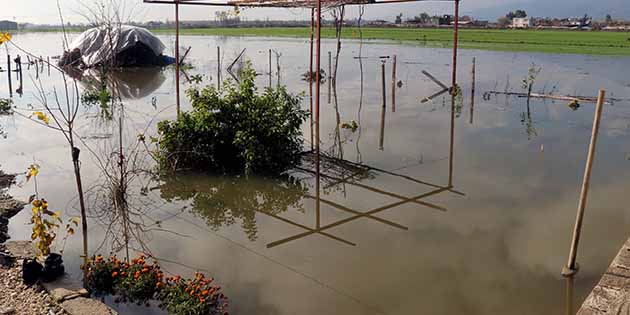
(493, 244)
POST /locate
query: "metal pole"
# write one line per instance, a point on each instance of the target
(317, 99)
(218, 67)
(310, 79)
(472, 94)
(9, 75)
(572, 268)
(394, 85)
(177, 54)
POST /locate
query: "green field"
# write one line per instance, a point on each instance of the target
(569, 42)
(548, 41)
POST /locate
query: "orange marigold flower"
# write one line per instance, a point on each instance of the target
(192, 292)
(204, 292)
(123, 273)
(202, 300)
(114, 274)
(145, 270)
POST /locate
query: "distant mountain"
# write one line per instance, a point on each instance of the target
(619, 9)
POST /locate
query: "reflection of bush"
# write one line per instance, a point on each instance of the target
(223, 201)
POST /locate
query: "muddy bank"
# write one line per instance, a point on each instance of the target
(8, 206)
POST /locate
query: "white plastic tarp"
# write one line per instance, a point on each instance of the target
(95, 44)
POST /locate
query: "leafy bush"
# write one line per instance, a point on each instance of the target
(235, 129)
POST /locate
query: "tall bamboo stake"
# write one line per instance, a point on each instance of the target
(394, 85)
(310, 79)
(572, 268)
(317, 99)
(177, 55)
(453, 90)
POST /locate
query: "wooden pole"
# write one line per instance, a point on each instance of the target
(9, 75)
(394, 85)
(455, 44)
(310, 79)
(453, 90)
(383, 107)
(572, 268)
(218, 67)
(177, 55)
(472, 94)
(317, 99)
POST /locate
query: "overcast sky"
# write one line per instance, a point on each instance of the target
(45, 11)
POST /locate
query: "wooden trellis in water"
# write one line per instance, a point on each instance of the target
(316, 23)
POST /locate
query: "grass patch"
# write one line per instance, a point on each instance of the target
(547, 41)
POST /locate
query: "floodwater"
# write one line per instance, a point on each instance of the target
(493, 244)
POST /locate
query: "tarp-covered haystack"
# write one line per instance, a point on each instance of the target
(119, 46)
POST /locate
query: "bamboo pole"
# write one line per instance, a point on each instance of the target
(9, 75)
(177, 55)
(572, 267)
(383, 107)
(472, 94)
(317, 99)
(453, 90)
(394, 85)
(310, 79)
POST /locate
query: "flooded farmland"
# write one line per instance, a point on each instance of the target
(493, 244)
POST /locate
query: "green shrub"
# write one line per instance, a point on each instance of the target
(235, 129)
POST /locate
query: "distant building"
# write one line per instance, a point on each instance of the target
(525, 22)
(8, 26)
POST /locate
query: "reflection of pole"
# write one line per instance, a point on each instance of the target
(270, 68)
(572, 268)
(177, 54)
(569, 297)
(310, 74)
(317, 98)
(47, 62)
(383, 108)
(472, 94)
(394, 85)
(9, 75)
(218, 67)
(329, 75)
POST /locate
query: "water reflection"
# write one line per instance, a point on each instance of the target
(224, 201)
(130, 83)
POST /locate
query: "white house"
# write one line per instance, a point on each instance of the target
(525, 22)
